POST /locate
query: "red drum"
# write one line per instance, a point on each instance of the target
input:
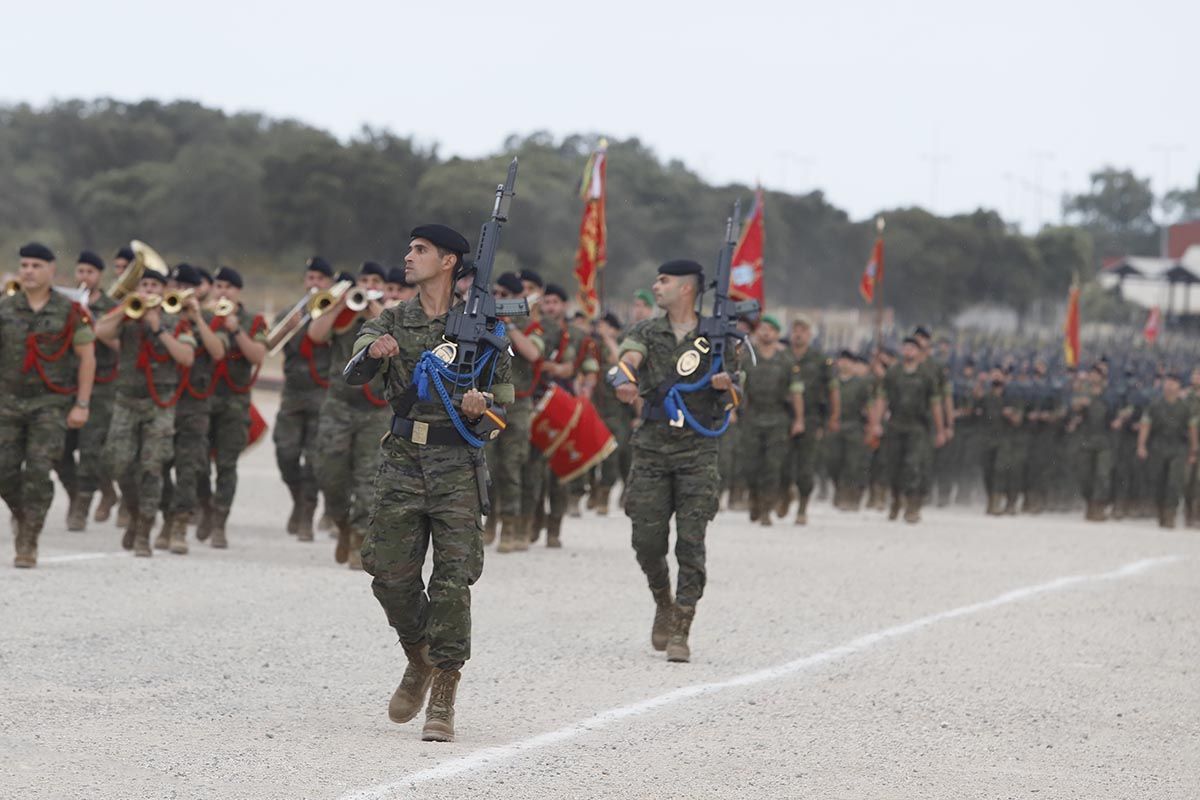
(569, 432)
(258, 427)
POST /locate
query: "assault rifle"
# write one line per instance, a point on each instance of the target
(721, 324)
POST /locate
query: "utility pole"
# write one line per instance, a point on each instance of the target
(935, 161)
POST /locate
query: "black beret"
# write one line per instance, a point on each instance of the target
(847, 354)
(510, 281)
(154, 275)
(186, 274)
(533, 277)
(555, 289)
(204, 274)
(1174, 376)
(230, 276)
(612, 319)
(887, 350)
(442, 236)
(921, 330)
(318, 264)
(911, 340)
(681, 266)
(37, 250)
(396, 275)
(88, 257)
(372, 268)
(343, 277)
(125, 253)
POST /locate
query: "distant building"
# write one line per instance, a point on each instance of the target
(1165, 280)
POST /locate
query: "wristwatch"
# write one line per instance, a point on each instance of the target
(81, 404)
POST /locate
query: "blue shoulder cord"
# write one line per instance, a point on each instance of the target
(675, 407)
(431, 369)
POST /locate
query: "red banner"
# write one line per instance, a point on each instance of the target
(872, 275)
(1071, 328)
(1153, 326)
(746, 275)
(593, 232)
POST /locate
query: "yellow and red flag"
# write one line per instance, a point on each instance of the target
(872, 275)
(593, 231)
(1071, 328)
(746, 274)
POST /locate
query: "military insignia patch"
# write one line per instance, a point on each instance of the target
(687, 363)
(446, 351)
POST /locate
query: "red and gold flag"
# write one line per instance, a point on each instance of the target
(1153, 326)
(746, 274)
(1071, 328)
(593, 231)
(872, 275)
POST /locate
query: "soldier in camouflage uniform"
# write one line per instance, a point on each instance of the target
(508, 454)
(822, 408)
(674, 469)
(46, 356)
(773, 392)
(305, 382)
(617, 416)
(155, 352)
(1091, 421)
(848, 453)
(427, 489)
(192, 412)
(910, 394)
(229, 418)
(82, 481)
(1168, 441)
(352, 420)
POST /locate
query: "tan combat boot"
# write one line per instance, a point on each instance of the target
(293, 523)
(554, 532)
(163, 540)
(325, 523)
(26, 545)
(756, 505)
(341, 551)
(854, 499)
(737, 499)
(356, 543)
(409, 697)
(108, 499)
(520, 533)
(124, 513)
(894, 508)
(204, 526)
(127, 537)
(802, 510)
(304, 531)
(178, 542)
(602, 494)
(439, 715)
(219, 517)
(993, 505)
(878, 500)
(664, 607)
(785, 501)
(141, 535)
(509, 531)
(489, 529)
(1010, 505)
(912, 509)
(77, 513)
(681, 625)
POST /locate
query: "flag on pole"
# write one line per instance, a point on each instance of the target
(593, 231)
(1071, 327)
(872, 275)
(1153, 325)
(746, 275)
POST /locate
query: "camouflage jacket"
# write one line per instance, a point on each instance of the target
(36, 347)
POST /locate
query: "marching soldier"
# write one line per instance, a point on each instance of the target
(618, 417)
(644, 306)
(229, 419)
(122, 259)
(772, 390)
(428, 491)
(46, 357)
(155, 353)
(674, 470)
(305, 382)
(821, 406)
(848, 452)
(910, 394)
(351, 421)
(192, 418)
(1168, 440)
(1091, 421)
(82, 481)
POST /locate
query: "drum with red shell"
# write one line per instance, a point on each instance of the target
(570, 433)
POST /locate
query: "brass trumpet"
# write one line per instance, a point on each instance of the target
(357, 299)
(144, 258)
(11, 287)
(224, 307)
(173, 300)
(135, 306)
(322, 301)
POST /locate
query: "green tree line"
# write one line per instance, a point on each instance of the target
(264, 194)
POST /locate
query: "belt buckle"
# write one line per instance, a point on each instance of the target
(420, 432)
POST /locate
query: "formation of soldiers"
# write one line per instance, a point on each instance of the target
(153, 394)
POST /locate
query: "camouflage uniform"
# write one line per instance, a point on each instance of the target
(35, 397)
(674, 470)
(425, 493)
(764, 420)
(229, 417)
(1168, 446)
(305, 384)
(908, 441)
(544, 499)
(815, 372)
(618, 418)
(848, 451)
(508, 454)
(140, 438)
(1094, 414)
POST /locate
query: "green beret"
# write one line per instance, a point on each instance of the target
(645, 295)
(773, 322)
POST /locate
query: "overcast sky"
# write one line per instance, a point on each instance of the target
(948, 105)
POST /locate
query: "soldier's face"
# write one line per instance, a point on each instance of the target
(119, 265)
(87, 275)
(35, 273)
(910, 351)
(148, 287)
(766, 334)
(422, 262)
(642, 310)
(801, 335)
(1171, 388)
(667, 290)
(316, 280)
(203, 290)
(391, 292)
(552, 306)
(227, 290)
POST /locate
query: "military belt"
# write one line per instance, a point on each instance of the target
(423, 433)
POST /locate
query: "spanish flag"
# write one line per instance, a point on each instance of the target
(1071, 327)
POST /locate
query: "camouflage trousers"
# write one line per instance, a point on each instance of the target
(87, 476)
(1095, 473)
(616, 466)
(190, 457)
(1168, 474)
(762, 449)
(682, 483)
(1003, 465)
(908, 454)
(228, 433)
(507, 456)
(424, 495)
(348, 447)
(849, 457)
(295, 438)
(803, 458)
(32, 432)
(543, 496)
(140, 442)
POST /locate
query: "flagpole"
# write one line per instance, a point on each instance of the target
(879, 226)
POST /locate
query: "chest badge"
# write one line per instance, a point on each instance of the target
(687, 363)
(446, 351)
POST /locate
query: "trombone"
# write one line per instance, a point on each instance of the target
(322, 301)
(174, 300)
(290, 323)
(135, 306)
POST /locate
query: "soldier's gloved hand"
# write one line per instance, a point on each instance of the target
(384, 347)
(474, 404)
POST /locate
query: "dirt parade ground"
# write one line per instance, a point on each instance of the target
(963, 657)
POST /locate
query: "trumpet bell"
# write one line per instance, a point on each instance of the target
(11, 287)
(224, 307)
(358, 299)
(321, 302)
(173, 300)
(135, 306)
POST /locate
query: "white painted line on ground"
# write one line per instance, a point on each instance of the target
(76, 557)
(492, 756)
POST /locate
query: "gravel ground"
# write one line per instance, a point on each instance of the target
(264, 671)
